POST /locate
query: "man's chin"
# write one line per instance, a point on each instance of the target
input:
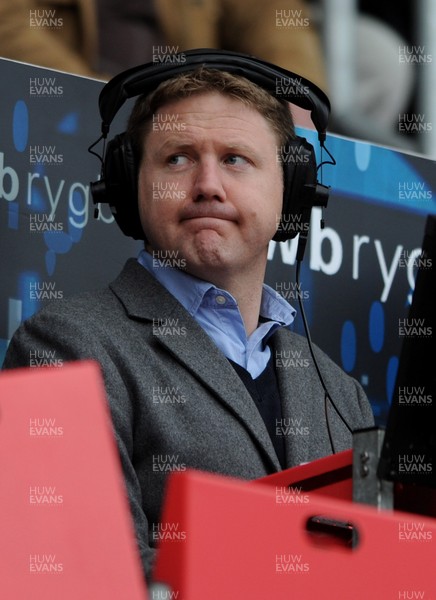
(208, 256)
(206, 241)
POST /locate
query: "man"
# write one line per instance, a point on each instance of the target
(187, 336)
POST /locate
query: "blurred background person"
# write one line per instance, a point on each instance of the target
(369, 84)
(92, 37)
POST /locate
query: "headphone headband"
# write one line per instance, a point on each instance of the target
(278, 82)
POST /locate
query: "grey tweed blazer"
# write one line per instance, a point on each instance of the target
(175, 400)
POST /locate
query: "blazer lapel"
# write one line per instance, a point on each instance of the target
(146, 299)
(301, 419)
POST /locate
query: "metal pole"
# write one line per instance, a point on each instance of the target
(426, 54)
(339, 19)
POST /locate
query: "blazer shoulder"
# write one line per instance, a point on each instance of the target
(101, 304)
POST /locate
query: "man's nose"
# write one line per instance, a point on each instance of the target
(208, 182)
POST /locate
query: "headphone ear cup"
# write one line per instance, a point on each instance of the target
(299, 171)
(120, 177)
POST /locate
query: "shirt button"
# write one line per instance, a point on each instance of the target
(220, 300)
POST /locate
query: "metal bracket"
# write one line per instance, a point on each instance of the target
(367, 488)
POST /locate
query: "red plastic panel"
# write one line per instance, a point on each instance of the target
(66, 530)
(239, 542)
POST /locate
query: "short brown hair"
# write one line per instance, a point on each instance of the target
(199, 81)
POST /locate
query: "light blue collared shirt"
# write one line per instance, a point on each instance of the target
(218, 314)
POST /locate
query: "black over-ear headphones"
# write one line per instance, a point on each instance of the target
(118, 183)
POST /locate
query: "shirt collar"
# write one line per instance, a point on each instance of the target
(193, 292)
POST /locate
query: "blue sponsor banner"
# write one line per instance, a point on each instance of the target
(51, 246)
(359, 271)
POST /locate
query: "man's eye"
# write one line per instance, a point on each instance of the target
(177, 159)
(236, 159)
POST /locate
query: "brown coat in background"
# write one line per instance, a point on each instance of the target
(248, 26)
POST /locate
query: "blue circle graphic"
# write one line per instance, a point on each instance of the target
(391, 376)
(362, 155)
(348, 346)
(20, 125)
(69, 124)
(376, 326)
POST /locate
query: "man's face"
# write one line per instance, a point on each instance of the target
(210, 185)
